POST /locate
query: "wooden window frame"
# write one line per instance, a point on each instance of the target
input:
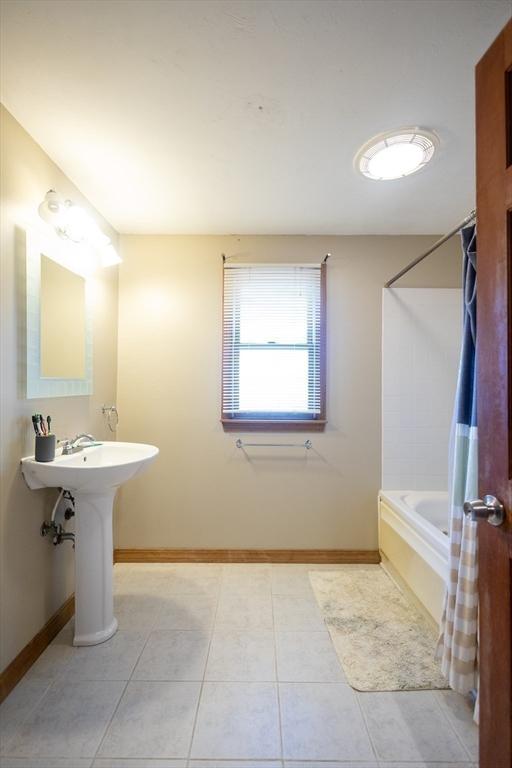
(269, 424)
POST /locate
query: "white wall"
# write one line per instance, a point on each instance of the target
(421, 331)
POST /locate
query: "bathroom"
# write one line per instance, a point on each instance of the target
(214, 150)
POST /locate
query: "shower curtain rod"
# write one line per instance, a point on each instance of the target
(469, 218)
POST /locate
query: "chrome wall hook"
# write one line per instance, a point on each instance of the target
(110, 411)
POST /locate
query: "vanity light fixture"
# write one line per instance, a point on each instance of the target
(109, 256)
(396, 154)
(71, 222)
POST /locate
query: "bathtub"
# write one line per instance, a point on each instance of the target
(413, 542)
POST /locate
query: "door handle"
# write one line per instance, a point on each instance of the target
(489, 508)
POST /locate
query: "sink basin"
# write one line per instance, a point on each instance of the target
(92, 469)
(93, 475)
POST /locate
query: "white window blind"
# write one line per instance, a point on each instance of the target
(272, 345)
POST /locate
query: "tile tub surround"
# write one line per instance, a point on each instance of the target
(420, 354)
(193, 680)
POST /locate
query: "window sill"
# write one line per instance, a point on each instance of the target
(273, 425)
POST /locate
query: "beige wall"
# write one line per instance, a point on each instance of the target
(202, 491)
(36, 578)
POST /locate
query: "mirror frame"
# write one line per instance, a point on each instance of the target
(38, 245)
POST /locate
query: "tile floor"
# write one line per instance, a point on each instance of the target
(218, 666)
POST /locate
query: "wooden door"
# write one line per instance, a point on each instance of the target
(494, 350)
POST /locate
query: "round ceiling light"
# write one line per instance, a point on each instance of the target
(396, 154)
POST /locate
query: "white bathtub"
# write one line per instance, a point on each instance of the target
(413, 541)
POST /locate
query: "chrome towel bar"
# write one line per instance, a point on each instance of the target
(307, 445)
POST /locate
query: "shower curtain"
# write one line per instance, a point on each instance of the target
(458, 649)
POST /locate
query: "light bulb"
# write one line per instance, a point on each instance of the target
(51, 208)
(395, 161)
(76, 223)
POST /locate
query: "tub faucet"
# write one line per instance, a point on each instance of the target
(75, 445)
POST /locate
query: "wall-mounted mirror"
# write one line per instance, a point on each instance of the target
(59, 321)
(62, 297)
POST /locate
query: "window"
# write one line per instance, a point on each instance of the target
(273, 363)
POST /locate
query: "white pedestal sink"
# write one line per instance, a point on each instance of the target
(92, 475)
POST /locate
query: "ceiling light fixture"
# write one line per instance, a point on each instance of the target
(396, 154)
(71, 222)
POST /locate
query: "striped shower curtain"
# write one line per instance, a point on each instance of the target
(458, 647)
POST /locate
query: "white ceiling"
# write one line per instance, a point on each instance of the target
(220, 116)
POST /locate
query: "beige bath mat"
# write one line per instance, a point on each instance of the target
(382, 641)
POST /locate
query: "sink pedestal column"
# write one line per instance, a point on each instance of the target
(94, 602)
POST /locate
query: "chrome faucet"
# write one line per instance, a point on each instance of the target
(75, 445)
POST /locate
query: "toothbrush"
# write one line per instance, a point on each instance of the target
(42, 424)
(49, 421)
(35, 422)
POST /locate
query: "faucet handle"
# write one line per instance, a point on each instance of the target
(64, 443)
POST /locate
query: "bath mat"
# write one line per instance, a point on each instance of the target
(382, 641)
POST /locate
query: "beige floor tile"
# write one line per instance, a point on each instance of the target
(167, 579)
(173, 655)
(194, 579)
(240, 655)
(143, 578)
(459, 712)
(295, 613)
(203, 586)
(113, 660)
(18, 706)
(203, 569)
(134, 599)
(400, 764)
(237, 721)
(291, 580)
(329, 764)
(409, 725)
(237, 764)
(46, 762)
(54, 660)
(153, 720)
(106, 762)
(244, 611)
(307, 657)
(140, 568)
(137, 612)
(69, 721)
(249, 579)
(187, 612)
(322, 721)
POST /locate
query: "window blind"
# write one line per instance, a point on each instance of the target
(272, 342)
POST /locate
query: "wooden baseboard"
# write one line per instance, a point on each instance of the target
(332, 556)
(13, 673)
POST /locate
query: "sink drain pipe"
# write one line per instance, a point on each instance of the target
(57, 530)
